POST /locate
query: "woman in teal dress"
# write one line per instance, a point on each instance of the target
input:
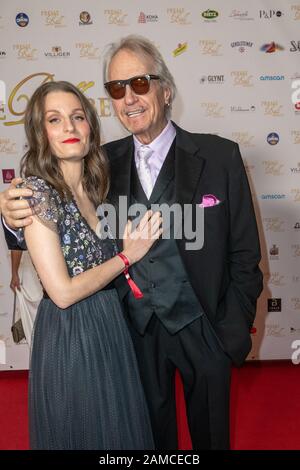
(84, 386)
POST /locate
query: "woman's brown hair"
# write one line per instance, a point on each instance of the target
(39, 160)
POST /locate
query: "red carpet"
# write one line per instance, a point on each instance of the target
(265, 408)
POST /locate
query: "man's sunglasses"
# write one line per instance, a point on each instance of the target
(139, 84)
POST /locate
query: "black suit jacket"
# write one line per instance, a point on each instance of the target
(224, 273)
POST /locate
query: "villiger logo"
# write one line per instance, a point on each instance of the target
(212, 109)
(178, 16)
(296, 170)
(210, 47)
(242, 78)
(25, 51)
(116, 17)
(243, 138)
(273, 167)
(273, 224)
(53, 18)
(87, 50)
(272, 108)
(57, 53)
(210, 14)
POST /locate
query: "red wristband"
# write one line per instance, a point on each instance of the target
(134, 288)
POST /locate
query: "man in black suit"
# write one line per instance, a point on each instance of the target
(198, 305)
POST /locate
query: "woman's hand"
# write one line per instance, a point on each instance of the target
(15, 282)
(138, 242)
(16, 211)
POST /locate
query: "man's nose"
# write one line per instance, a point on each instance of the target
(130, 97)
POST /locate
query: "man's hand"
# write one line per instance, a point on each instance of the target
(15, 211)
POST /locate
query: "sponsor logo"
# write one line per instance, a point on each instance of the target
(242, 78)
(57, 53)
(295, 250)
(210, 47)
(274, 252)
(275, 330)
(87, 50)
(242, 109)
(210, 15)
(273, 138)
(296, 194)
(296, 10)
(212, 109)
(25, 51)
(143, 18)
(270, 14)
(273, 196)
(2, 54)
(85, 19)
(297, 226)
(271, 47)
(116, 17)
(8, 175)
(295, 46)
(241, 46)
(294, 330)
(271, 77)
(240, 15)
(295, 303)
(22, 20)
(244, 139)
(212, 79)
(276, 279)
(295, 137)
(7, 146)
(180, 49)
(273, 167)
(296, 170)
(53, 18)
(178, 16)
(274, 224)
(272, 108)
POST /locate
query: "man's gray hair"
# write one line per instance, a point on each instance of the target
(144, 48)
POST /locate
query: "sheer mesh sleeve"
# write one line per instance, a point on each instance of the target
(44, 201)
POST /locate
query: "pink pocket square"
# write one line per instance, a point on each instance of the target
(209, 200)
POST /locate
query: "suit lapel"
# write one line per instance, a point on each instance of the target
(188, 167)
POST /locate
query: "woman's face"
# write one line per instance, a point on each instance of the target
(66, 126)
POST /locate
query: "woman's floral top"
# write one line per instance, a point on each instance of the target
(81, 246)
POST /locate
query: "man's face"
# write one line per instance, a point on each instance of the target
(142, 115)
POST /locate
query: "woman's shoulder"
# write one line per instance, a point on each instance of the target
(37, 184)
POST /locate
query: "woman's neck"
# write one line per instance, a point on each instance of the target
(73, 175)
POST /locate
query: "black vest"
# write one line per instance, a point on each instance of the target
(161, 275)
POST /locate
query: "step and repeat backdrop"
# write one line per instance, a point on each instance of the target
(237, 69)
